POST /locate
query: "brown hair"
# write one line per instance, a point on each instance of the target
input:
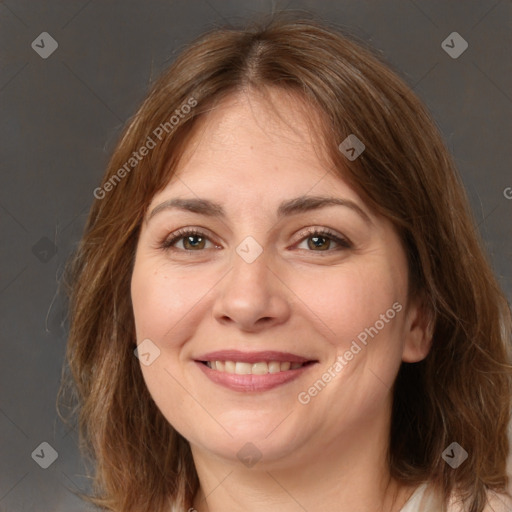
(460, 392)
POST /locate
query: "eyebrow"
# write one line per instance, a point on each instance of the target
(288, 207)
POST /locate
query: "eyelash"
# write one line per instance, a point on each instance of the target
(167, 243)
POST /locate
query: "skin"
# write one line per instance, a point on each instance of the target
(328, 454)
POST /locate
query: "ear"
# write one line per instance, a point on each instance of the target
(419, 328)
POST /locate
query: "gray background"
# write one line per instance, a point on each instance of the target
(61, 116)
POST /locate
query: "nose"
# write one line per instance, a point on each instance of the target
(252, 296)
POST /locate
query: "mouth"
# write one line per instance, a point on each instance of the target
(253, 371)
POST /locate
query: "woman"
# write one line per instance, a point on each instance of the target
(281, 301)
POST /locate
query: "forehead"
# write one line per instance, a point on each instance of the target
(250, 121)
(255, 145)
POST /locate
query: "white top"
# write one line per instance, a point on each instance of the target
(413, 503)
(422, 501)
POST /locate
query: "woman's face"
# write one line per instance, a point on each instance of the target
(269, 330)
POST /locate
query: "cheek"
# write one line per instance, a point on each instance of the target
(162, 299)
(362, 308)
(151, 302)
(345, 302)
(161, 302)
(354, 305)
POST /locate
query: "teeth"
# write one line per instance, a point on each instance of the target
(243, 368)
(260, 368)
(274, 367)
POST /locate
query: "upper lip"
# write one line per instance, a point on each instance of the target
(252, 357)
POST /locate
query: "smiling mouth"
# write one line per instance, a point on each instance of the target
(257, 368)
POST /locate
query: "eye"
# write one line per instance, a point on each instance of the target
(320, 240)
(194, 240)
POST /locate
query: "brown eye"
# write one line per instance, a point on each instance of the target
(193, 240)
(320, 240)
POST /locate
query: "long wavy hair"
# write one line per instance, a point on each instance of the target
(460, 392)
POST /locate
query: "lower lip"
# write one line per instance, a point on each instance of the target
(246, 383)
